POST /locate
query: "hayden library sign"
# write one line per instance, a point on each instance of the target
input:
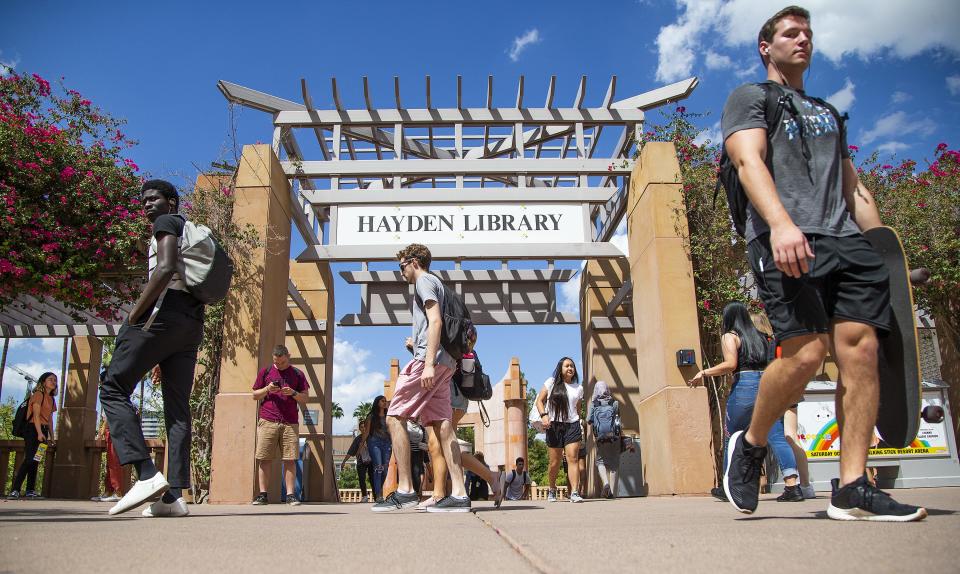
(449, 224)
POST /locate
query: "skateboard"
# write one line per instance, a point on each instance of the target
(900, 388)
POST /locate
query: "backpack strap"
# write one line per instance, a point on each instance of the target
(156, 307)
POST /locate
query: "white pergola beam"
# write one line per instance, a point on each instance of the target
(483, 167)
(461, 195)
(591, 250)
(468, 116)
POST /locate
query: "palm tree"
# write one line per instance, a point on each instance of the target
(336, 411)
(362, 411)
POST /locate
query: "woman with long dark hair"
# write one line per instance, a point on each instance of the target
(40, 409)
(379, 445)
(559, 406)
(746, 353)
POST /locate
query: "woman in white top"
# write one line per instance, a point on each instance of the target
(559, 408)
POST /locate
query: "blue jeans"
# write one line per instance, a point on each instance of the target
(380, 450)
(743, 395)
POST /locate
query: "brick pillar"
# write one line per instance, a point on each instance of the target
(78, 421)
(609, 350)
(674, 420)
(514, 419)
(391, 384)
(254, 323)
(312, 353)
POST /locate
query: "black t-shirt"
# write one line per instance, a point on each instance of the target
(177, 297)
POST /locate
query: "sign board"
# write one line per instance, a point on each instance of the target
(819, 432)
(311, 416)
(434, 224)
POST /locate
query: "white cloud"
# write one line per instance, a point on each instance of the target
(569, 300)
(897, 124)
(892, 147)
(953, 85)
(844, 98)
(7, 64)
(900, 97)
(48, 345)
(747, 71)
(715, 61)
(711, 134)
(353, 381)
(520, 43)
(15, 385)
(861, 28)
(675, 40)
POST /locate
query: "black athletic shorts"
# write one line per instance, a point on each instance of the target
(847, 279)
(560, 435)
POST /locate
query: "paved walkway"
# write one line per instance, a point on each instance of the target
(680, 534)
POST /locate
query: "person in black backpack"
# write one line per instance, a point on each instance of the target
(822, 284)
(171, 342)
(39, 417)
(516, 484)
(422, 390)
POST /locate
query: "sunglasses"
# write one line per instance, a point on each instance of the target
(404, 263)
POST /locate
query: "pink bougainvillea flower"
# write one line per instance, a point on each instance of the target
(67, 172)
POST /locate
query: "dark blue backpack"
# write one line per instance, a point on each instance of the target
(606, 420)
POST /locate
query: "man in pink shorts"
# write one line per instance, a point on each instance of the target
(423, 389)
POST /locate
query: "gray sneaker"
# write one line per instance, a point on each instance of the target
(292, 500)
(451, 504)
(551, 495)
(396, 501)
(575, 497)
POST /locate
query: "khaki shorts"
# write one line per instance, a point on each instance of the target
(272, 437)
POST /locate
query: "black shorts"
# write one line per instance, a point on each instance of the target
(560, 435)
(847, 280)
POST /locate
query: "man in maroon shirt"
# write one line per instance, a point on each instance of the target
(282, 388)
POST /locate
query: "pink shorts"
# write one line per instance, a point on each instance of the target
(412, 401)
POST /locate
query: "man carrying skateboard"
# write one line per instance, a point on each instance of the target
(822, 284)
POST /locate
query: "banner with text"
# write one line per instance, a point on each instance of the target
(819, 433)
(471, 224)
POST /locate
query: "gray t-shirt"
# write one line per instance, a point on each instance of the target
(812, 197)
(429, 288)
(515, 482)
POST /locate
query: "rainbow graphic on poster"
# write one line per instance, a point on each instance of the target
(825, 444)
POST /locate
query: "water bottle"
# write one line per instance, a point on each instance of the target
(41, 450)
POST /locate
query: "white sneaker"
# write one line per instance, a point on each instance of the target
(575, 497)
(808, 491)
(161, 509)
(111, 498)
(551, 495)
(426, 503)
(142, 491)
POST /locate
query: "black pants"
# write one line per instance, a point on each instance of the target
(364, 472)
(172, 343)
(28, 468)
(416, 468)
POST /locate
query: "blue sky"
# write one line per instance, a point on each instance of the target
(893, 65)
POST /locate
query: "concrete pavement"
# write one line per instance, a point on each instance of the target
(660, 534)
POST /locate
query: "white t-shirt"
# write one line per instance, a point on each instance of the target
(574, 394)
(515, 488)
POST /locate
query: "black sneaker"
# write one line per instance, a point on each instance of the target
(396, 501)
(860, 500)
(718, 493)
(451, 504)
(791, 494)
(741, 478)
(261, 499)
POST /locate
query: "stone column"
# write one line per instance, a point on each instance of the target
(514, 419)
(312, 353)
(391, 384)
(78, 421)
(254, 323)
(609, 349)
(674, 420)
